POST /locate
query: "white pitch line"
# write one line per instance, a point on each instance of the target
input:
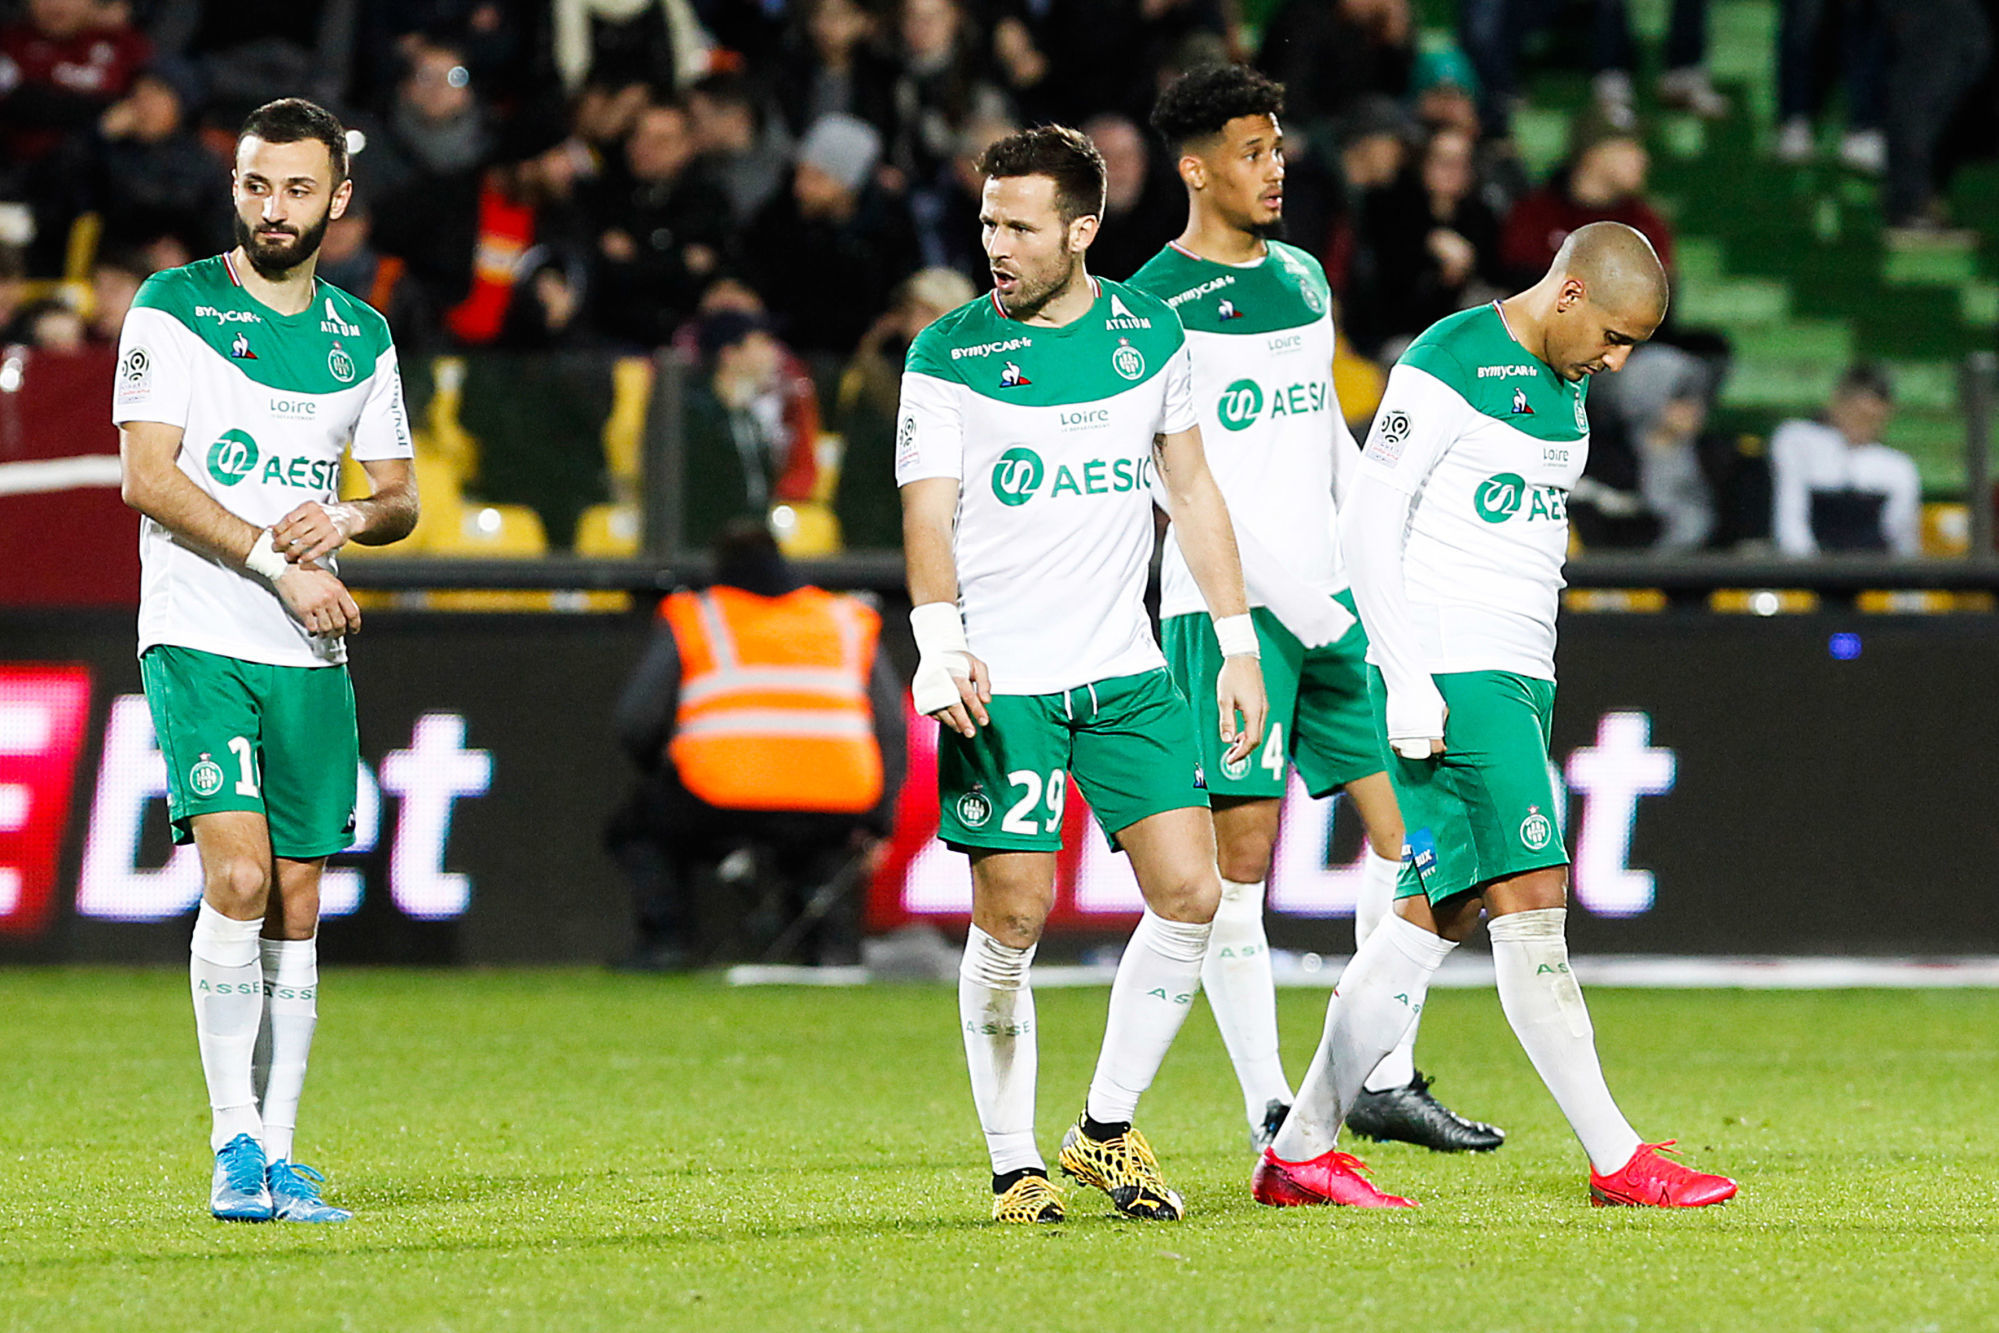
(1474, 972)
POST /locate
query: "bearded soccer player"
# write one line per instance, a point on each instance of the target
(1454, 538)
(1032, 422)
(241, 379)
(1259, 325)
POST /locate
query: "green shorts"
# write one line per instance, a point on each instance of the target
(1127, 741)
(1487, 807)
(242, 735)
(1320, 717)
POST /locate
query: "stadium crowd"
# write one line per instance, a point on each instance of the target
(784, 188)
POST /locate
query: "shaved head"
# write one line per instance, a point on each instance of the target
(1617, 267)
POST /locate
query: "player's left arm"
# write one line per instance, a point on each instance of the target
(383, 448)
(1207, 540)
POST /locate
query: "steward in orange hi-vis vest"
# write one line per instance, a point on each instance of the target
(773, 711)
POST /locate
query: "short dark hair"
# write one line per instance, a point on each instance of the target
(294, 120)
(1065, 156)
(1870, 377)
(1201, 102)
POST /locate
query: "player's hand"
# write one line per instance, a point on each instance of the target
(313, 531)
(319, 601)
(1239, 690)
(1415, 722)
(966, 676)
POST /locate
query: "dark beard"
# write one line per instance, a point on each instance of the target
(1272, 230)
(273, 264)
(1027, 304)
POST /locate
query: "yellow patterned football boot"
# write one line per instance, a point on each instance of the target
(1029, 1199)
(1125, 1169)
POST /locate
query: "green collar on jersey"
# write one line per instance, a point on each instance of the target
(1286, 289)
(1476, 355)
(1125, 339)
(330, 346)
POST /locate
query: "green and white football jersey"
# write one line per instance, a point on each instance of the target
(1049, 434)
(1489, 440)
(266, 403)
(1261, 338)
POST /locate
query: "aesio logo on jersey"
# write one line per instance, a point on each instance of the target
(1242, 402)
(1018, 475)
(1502, 495)
(235, 456)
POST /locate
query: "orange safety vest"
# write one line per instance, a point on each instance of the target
(774, 711)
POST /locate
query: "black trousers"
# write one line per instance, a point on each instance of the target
(664, 836)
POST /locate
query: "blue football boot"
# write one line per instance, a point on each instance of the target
(239, 1193)
(295, 1195)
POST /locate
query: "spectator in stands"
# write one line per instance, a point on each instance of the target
(114, 282)
(947, 222)
(1652, 476)
(1493, 32)
(942, 86)
(834, 66)
(519, 242)
(741, 455)
(146, 173)
(438, 133)
(864, 413)
(604, 114)
(825, 252)
(1837, 487)
(349, 260)
(1863, 65)
(1603, 179)
(60, 67)
(1434, 248)
(1373, 141)
(496, 38)
(745, 147)
(250, 53)
(1445, 92)
(1937, 52)
(1144, 207)
(812, 803)
(663, 230)
(48, 325)
(1330, 53)
(660, 42)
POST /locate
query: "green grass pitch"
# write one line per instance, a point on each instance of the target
(575, 1150)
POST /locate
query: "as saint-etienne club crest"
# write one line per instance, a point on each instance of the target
(974, 809)
(1537, 830)
(205, 777)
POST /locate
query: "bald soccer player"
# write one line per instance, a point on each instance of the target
(1454, 541)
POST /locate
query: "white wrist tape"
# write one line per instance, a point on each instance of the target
(1238, 636)
(264, 559)
(942, 657)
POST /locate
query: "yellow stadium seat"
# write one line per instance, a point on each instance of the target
(1359, 384)
(805, 529)
(441, 429)
(610, 531)
(1946, 528)
(490, 532)
(829, 452)
(625, 427)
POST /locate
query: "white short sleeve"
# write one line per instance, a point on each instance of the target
(1177, 411)
(154, 373)
(930, 429)
(1413, 429)
(384, 429)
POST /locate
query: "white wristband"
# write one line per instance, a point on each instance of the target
(264, 559)
(938, 629)
(1238, 636)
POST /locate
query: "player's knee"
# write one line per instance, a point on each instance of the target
(1192, 898)
(1017, 928)
(237, 885)
(1245, 860)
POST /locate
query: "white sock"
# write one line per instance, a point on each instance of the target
(1545, 1006)
(228, 989)
(1155, 987)
(291, 1011)
(1377, 903)
(1243, 998)
(996, 1011)
(1379, 996)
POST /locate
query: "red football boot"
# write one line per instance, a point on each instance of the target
(1650, 1181)
(1330, 1178)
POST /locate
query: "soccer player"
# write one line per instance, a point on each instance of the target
(241, 379)
(1032, 422)
(1454, 539)
(1259, 325)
